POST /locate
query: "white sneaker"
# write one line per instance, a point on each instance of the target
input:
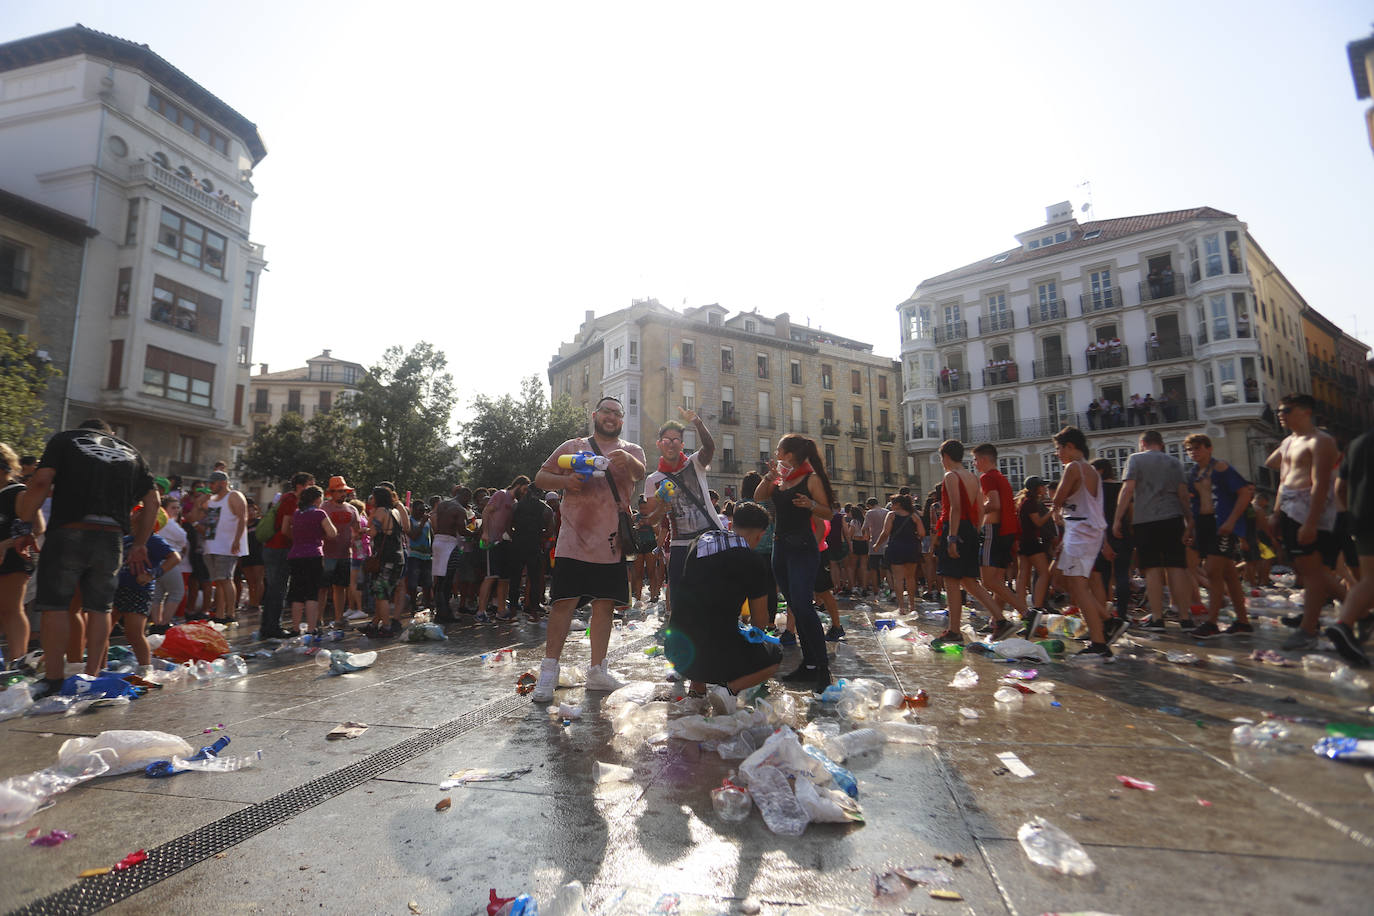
(355, 614)
(548, 680)
(598, 678)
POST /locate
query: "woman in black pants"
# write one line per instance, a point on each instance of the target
(802, 495)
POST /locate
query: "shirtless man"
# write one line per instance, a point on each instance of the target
(450, 519)
(956, 542)
(1305, 515)
(1078, 503)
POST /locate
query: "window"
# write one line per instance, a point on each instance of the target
(689, 394)
(727, 448)
(727, 359)
(997, 309)
(856, 381)
(1117, 455)
(932, 421)
(689, 439)
(185, 309)
(293, 401)
(751, 325)
(131, 224)
(260, 401)
(14, 268)
(1211, 246)
(797, 421)
(245, 355)
(1194, 269)
(796, 372)
(586, 377)
(1047, 297)
(858, 413)
(1050, 467)
(191, 242)
(827, 377)
(882, 387)
(920, 325)
(187, 448)
(928, 370)
(765, 448)
(887, 463)
(958, 417)
(122, 290)
(1100, 289)
(1013, 467)
(689, 353)
(1091, 234)
(830, 458)
(765, 410)
(617, 358)
(763, 365)
(188, 122)
(1221, 321)
(828, 411)
(1175, 450)
(1226, 375)
(859, 468)
(1233, 258)
(634, 353)
(115, 375)
(727, 404)
(882, 421)
(1209, 387)
(1057, 409)
(178, 378)
(951, 314)
(1242, 308)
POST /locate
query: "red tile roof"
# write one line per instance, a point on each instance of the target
(1111, 229)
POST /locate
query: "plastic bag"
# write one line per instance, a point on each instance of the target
(1018, 648)
(638, 692)
(783, 751)
(193, 642)
(964, 679)
(125, 751)
(15, 701)
(1045, 844)
(827, 806)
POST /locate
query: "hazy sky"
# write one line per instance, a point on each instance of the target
(479, 174)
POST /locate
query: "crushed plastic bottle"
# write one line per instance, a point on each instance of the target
(1265, 734)
(860, 741)
(732, 803)
(1008, 696)
(964, 679)
(909, 733)
(843, 778)
(1047, 845)
(341, 662)
(781, 811)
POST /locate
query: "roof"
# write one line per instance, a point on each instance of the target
(301, 374)
(1358, 51)
(1109, 229)
(38, 49)
(53, 222)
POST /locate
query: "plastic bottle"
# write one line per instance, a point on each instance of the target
(843, 778)
(852, 706)
(841, 747)
(1008, 696)
(1052, 646)
(832, 693)
(731, 802)
(323, 657)
(781, 811)
(909, 733)
(964, 679)
(1045, 844)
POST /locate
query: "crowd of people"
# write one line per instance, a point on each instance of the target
(90, 533)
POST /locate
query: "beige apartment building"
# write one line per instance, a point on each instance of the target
(753, 379)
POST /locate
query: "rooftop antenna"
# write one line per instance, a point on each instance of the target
(1087, 206)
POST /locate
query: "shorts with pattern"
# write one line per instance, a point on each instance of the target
(135, 600)
(385, 581)
(996, 552)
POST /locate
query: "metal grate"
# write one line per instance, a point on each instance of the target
(94, 894)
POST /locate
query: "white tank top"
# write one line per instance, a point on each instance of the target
(220, 526)
(1082, 511)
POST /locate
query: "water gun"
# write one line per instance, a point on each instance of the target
(754, 634)
(585, 464)
(666, 490)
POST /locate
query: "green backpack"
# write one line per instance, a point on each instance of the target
(267, 525)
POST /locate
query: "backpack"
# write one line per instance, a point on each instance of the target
(267, 525)
(528, 519)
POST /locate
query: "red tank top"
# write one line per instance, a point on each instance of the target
(965, 504)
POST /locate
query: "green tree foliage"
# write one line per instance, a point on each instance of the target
(404, 408)
(325, 445)
(24, 378)
(508, 437)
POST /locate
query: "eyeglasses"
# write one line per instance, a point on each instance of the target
(610, 411)
(670, 440)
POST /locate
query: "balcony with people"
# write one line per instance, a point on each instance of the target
(1178, 347)
(1107, 354)
(1001, 372)
(951, 379)
(1161, 283)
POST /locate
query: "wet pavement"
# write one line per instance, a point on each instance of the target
(1283, 830)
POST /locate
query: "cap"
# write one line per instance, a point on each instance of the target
(1032, 482)
(218, 475)
(337, 483)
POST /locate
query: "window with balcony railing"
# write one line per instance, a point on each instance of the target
(179, 306)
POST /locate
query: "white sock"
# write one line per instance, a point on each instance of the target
(549, 664)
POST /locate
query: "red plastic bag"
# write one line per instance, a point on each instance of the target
(193, 642)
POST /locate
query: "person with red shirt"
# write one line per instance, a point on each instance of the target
(1001, 526)
(274, 558)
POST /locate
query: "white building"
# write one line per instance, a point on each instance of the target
(105, 130)
(1181, 306)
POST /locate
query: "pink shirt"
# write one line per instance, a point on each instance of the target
(590, 520)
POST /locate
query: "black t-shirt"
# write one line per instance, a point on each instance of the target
(718, 576)
(12, 562)
(98, 477)
(1357, 469)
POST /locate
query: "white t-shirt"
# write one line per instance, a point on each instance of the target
(685, 518)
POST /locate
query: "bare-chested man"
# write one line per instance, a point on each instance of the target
(449, 521)
(956, 542)
(1305, 517)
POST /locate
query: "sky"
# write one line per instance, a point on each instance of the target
(478, 175)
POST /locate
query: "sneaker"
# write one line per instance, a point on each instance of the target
(599, 678)
(1239, 628)
(1299, 641)
(1150, 625)
(355, 614)
(947, 638)
(1002, 630)
(787, 638)
(1291, 620)
(1114, 628)
(548, 680)
(1096, 648)
(1032, 623)
(986, 629)
(804, 674)
(835, 634)
(1347, 645)
(1206, 630)
(1363, 626)
(481, 617)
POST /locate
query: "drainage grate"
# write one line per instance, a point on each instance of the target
(94, 894)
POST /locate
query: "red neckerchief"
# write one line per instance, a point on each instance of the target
(800, 471)
(663, 464)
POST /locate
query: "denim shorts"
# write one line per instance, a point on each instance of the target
(79, 558)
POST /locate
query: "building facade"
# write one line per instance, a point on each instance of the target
(1175, 321)
(1361, 55)
(41, 252)
(753, 379)
(106, 131)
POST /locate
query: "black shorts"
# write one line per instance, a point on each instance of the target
(964, 566)
(1325, 545)
(501, 560)
(859, 548)
(134, 600)
(336, 573)
(590, 581)
(824, 582)
(877, 561)
(716, 657)
(1160, 544)
(996, 550)
(1364, 545)
(306, 575)
(1030, 547)
(75, 557)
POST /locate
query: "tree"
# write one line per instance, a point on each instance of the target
(404, 409)
(326, 445)
(508, 437)
(24, 378)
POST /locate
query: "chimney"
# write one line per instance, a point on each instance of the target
(782, 326)
(326, 353)
(263, 370)
(1058, 213)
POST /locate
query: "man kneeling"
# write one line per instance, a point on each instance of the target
(722, 571)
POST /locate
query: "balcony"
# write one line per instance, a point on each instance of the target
(1048, 310)
(1042, 428)
(730, 466)
(728, 417)
(1104, 300)
(830, 428)
(1349, 383)
(863, 475)
(155, 174)
(1005, 374)
(858, 431)
(889, 478)
(1163, 287)
(689, 360)
(951, 331)
(1002, 321)
(800, 426)
(1158, 413)
(1157, 351)
(1054, 367)
(1109, 359)
(768, 421)
(953, 380)
(886, 435)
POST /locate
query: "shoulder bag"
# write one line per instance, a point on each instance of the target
(633, 539)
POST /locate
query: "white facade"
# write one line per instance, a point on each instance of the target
(999, 350)
(107, 131)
